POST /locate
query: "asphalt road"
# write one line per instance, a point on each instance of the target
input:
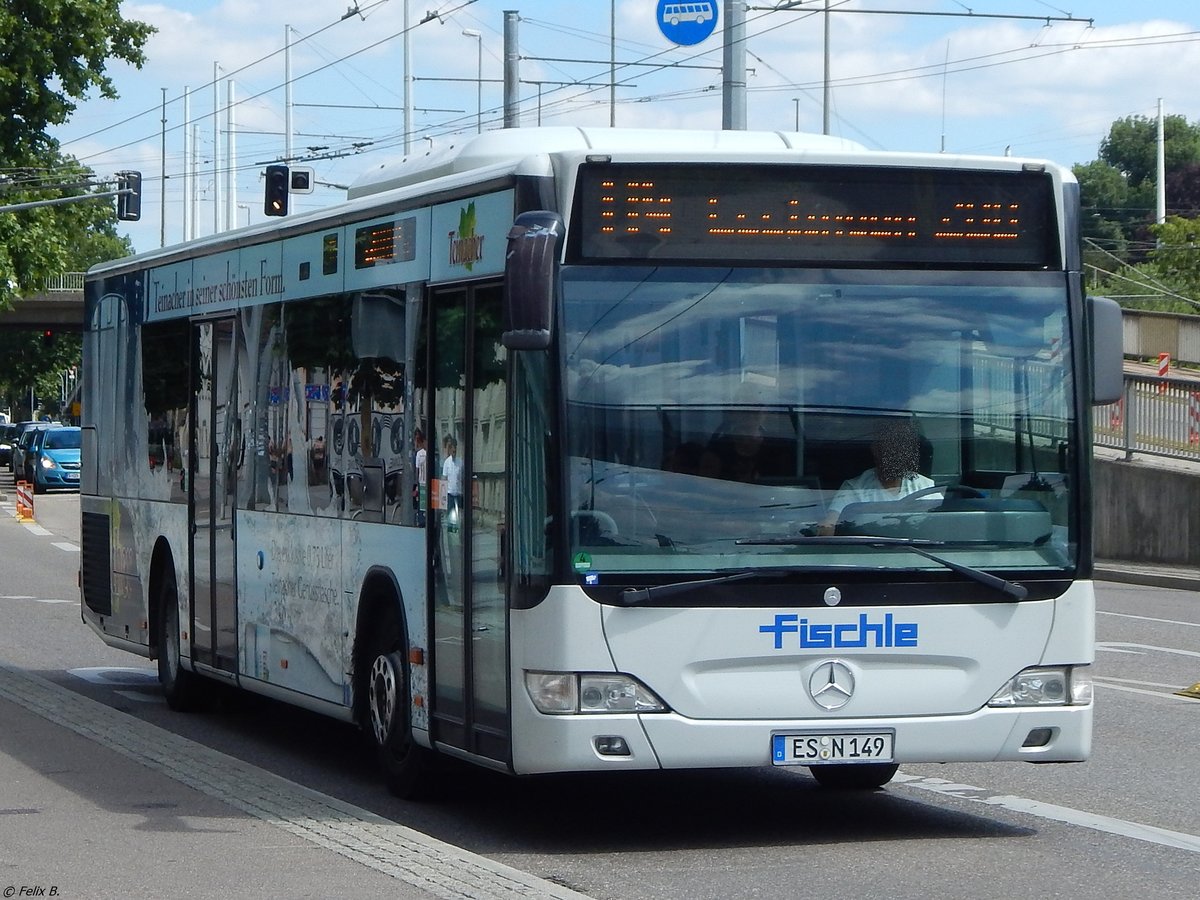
(1124, 824)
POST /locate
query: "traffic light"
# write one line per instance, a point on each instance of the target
(275, 199)
(48, 338)
(129, 200)
(301, 180)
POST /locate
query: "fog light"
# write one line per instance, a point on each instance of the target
(611, 745)
(1039, 737)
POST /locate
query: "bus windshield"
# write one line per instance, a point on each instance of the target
(729, 418)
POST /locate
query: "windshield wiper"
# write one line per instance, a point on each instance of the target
(916, 545)
(639, 596)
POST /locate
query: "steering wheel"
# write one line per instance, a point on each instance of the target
(962, 490)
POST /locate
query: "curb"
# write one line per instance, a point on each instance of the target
(1182, 580)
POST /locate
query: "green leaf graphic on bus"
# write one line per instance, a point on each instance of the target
(466, 247)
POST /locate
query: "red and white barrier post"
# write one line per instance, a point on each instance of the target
(24, 501)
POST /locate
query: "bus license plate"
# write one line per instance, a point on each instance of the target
(831, 747)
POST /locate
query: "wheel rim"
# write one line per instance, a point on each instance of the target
(383, 694)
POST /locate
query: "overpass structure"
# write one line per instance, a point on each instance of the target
(58, 306)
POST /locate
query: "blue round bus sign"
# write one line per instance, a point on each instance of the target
(688, 22)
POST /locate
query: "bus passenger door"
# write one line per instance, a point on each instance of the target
(470, 617)
(217, 452)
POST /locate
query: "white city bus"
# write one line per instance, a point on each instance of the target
(531, 453)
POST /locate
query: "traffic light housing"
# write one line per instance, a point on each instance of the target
(275, 195)
(129, 198)
(48, 338)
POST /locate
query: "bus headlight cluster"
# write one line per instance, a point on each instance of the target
(571, 693)
(1046, 686)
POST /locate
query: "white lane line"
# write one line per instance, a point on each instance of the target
(403, 853)
(1111, 680)
(1101, 612)
(1121, 646)
(34, 528)
(1170, 695)
(1106, 824)
(63, 545)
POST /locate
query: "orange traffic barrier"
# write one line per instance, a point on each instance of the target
(24, 501)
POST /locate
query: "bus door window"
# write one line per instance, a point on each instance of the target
(470, 616)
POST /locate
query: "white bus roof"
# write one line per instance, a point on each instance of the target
(495, 155)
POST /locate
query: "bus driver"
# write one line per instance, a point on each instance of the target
(896, 450)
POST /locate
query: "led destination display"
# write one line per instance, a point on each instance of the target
(815, 215)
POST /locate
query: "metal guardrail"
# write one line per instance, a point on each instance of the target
(1159, 416)
(68, 282)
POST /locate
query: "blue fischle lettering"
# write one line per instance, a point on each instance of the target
(830, 636)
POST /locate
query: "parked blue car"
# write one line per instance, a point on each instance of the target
(54, 459)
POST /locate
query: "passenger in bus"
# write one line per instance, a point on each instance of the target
(896, 450)
(735, 451)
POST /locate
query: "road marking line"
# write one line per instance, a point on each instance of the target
(1101, 612)
(1132, 690)
(406, 854)
(1119, 646)
(34, 528)
(63, 545)
(1109, 678)
(1064, 814)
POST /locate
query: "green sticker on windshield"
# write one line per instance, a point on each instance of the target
(582, 562)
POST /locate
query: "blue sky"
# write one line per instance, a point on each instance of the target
(905, 75)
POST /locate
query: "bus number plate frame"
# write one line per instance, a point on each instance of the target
(830, 747)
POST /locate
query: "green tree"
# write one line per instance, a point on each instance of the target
(52, 54)
(1131, 146)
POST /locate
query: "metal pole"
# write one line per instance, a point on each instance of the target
(472, 32)
(612, 65)
(187, 164)
(512, 70)
(216, 148)
(1161, 156)
(825, 98)
(796, 100)
(407, 79)
(231, 175)
(162, 186)
(733, 93)
(287, 94)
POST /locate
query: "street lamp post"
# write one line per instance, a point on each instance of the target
(472, 32)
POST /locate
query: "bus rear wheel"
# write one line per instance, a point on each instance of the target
(864, 777)
(406, 765)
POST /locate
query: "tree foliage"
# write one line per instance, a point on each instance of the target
(52, 54)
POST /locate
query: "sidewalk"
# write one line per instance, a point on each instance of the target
(97, 803)
(1183, 578)
(80, 820)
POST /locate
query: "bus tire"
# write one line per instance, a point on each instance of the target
(857, 777)
(181, 688)
(406, 765)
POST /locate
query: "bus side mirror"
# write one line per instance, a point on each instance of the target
(530, 267)
(1108, 370)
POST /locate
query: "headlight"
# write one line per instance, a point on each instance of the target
(47, 463)
(1048, 686)
(569, 693)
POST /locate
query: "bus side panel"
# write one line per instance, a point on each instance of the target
(134, 528)
(295, 619)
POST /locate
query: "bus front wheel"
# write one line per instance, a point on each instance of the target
(405, 764)
(860, 777)
(181, 688)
